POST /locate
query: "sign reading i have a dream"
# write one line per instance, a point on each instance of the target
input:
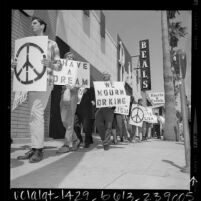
(73, 73)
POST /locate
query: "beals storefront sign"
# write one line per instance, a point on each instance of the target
(145, 65)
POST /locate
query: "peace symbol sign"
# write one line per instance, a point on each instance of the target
(28, 65)
(137, 115)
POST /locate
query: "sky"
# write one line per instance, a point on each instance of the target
(135, 25)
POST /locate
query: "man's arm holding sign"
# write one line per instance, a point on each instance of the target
(54, 63)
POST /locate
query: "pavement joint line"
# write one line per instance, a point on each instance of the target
(115, 179)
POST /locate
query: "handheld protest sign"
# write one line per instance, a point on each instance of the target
(123, 109)
(73, 73)
(137, 115)
(149, 116)
(157, 97)
(30, 74)
(109, 94)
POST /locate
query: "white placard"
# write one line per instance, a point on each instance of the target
(149, 116)
(30, 74)
(20, 97)
(123, 109)
(137, 115)
(157, 97)
(73, 73)
(109, 94)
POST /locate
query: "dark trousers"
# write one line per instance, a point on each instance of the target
(157, 130)
(86, 122)
(132, 132)
(103, 121)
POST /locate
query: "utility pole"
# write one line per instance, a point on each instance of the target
(182, 68)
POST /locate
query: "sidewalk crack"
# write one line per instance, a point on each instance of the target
(104, 187)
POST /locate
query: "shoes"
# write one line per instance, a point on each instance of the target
(122, 139)
(91, 142)
(64, 149)
(106, 147)
(27, 155)
(114, 141)
(76, 145)
(86, 145)
(37, 156)
(130, 140)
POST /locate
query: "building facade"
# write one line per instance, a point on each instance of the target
(124, 66)
(79, 31)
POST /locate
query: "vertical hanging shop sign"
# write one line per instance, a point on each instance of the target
(145, 65)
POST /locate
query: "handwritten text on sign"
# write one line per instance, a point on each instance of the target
(157, 97)
(30, 74)
(149, 116)
(109, 94)
(73, 73)
(123, 109)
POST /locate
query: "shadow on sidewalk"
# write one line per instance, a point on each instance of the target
(50, 175)
(173, 164)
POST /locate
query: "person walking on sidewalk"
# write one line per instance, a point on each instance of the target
(103, 120)
(38, 99)
(142, 130)
(114, 129)
(132, 128)
(68, 108)
(84, 116)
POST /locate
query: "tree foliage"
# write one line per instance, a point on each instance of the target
(176, 31)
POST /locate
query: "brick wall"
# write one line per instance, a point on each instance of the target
(21, 28)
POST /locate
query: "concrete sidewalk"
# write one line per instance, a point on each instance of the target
(152, 164)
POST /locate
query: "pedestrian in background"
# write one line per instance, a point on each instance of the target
(142, 130)
(157, 127)
(38, 99)
(132, 128)
(114, 129)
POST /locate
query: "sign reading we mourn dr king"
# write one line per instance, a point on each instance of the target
(145, 65)
(30, 74)
(109, 94)
(123, 109)
(73, 73)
